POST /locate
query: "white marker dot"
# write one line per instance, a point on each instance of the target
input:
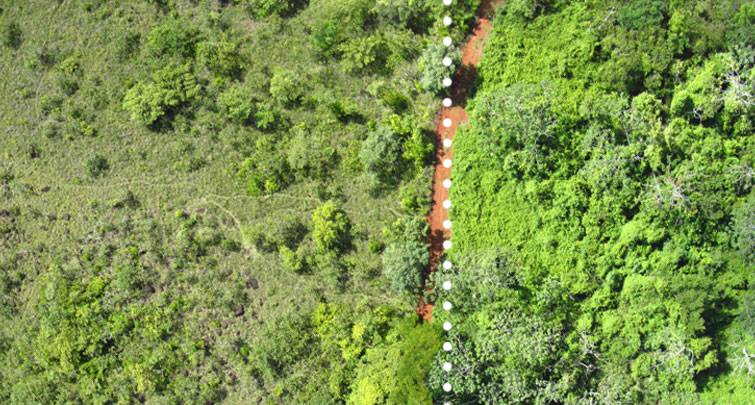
(447, 366)
(447, 102)
(447, 21)
(447, 163)
(447, 264)
(447, 204)
(447, 82)
(447, 143)
(447, 244)
(447, 183)
(446, 285)
(447, 224)
(446, 403)
(447, 2)
(447, 61)
(447, 326)
(447, 41)
(447, 122)
(447, 305)
(447, 387)
(447, 346)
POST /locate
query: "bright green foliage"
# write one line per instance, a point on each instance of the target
(602, 197)
(99, 321)
(237, 104)
(171, 87)
(330, 227)
(394, 372)
(345, 338)
(405, 258)
(526, 8)
(418, 147)
(266, 8)
(267, 116)
(175, 36)
(147, 102)
(220, 56)
(286, 87)
(291, 259)
(360, 53)
(264, 172)
(337, 21)
(716, 91)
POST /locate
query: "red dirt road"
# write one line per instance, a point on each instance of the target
(462, 83)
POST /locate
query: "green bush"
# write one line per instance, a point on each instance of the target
(96, 165)
(221, 56)
(129, 45)
(394, 372)
(330, 227)
(174, 36)
(336, 21)
(236, 103)
(267, 117)
(363, 53)
(266, 8)
(416, 195)
(413, 14)
(310, 154)
(292, 259)
(381, 155)
(395, 100)
(643, 14)
(526, 8)
(265, 170)
(286, 87)
(433, 71)
(407, 255)
(171, 87)
(418, 149)
(11, 35)
(68, 74)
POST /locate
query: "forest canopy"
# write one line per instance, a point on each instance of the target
(603, 234)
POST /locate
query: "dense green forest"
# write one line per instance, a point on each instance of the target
(603, 208)
(206, 201)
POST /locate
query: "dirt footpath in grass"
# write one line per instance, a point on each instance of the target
(462, 84)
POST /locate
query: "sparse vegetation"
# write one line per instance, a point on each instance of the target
(184, 214)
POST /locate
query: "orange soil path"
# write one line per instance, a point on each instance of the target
(462, 83)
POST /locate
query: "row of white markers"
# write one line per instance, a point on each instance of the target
(447, 123)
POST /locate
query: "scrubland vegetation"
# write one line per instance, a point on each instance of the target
(196, 197)
(603, 208)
